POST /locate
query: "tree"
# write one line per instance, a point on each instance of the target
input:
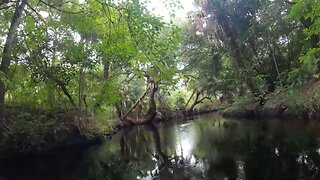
(77, 54)
(237, 45)
(307, 13)
(7, 49)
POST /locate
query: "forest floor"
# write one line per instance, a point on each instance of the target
(302, 101)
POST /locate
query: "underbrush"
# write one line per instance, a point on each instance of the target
(243, 106)
(301, 101)
(27, 128)
(210, 105)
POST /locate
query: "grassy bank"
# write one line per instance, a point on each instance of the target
(27, 129)
(301, 101)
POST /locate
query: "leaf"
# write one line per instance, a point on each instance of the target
(4, 79)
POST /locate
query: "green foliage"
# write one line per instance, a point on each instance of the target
(51, 51)
(108, 95)
(179, 99)
(294, 100)
(102, 126)
(83, 58)
(298, 75)
(244, 47)
(308, 13)
(244, 103)
(3, 78)
(29, 129)
(93, 56)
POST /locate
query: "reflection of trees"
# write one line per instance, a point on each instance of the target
(224, 150)
(276, 156)
(173, 166)
(125, 157)
(141, 152)
(59, 163)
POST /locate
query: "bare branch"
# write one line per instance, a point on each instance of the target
(202, 99)
(5, 7)
(39, 15)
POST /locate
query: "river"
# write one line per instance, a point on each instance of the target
(208, 147)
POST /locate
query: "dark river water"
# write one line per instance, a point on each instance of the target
(209, 147)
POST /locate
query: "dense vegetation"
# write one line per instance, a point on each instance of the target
(257, 54)
(87, 65)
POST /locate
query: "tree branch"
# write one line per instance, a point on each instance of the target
(206, 97)
(58, 9)
(33, 10)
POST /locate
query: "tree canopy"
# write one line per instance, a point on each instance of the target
(109, 55)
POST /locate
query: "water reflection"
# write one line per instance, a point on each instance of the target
(221, 149)
(208, 148)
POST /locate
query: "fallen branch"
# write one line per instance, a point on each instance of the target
(7, 129)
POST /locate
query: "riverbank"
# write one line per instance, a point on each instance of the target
(26, 130)
(301, 102)
(34, 129)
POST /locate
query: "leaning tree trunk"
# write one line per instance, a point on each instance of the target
(195, 102)
(151, 114)
(194, 92)
(135, 104)
(62, 85)
(7, 49)
(235, 51)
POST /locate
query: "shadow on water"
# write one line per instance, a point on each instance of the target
(210, 147)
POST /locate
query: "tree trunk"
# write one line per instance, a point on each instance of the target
(81, 88)
(106, 67)
(195, 102)
(152, 112)
(185, 107)
(65, 91)
(135, 104)
(7, 49)
(235, 51)
(61, 85)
